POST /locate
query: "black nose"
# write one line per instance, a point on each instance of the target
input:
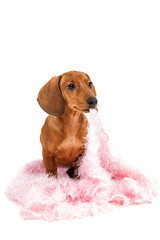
(92, 101)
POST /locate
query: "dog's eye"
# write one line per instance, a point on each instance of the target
(90, 84)
(71, 86)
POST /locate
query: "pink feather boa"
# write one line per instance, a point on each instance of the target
(104, 184)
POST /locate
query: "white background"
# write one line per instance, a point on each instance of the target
(118, 44)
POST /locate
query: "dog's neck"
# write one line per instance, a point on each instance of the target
(71, 113)
(71, 120)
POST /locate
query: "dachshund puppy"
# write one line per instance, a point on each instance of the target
(65, 98)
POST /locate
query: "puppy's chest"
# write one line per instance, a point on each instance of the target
(69, 149)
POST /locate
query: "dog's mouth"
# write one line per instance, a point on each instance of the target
(85, 110)
(81, 109)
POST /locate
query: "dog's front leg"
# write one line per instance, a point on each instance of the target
(50, 165)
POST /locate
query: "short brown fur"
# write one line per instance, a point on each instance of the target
(64, 131)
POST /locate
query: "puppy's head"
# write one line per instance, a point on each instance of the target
(72, 88)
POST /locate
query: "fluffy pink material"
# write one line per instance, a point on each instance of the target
(104, 184)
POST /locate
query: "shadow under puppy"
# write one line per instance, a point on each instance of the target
(65, 98)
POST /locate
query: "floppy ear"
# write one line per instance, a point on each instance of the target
(50, 97)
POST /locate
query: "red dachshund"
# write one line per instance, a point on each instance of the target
(65, 98)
